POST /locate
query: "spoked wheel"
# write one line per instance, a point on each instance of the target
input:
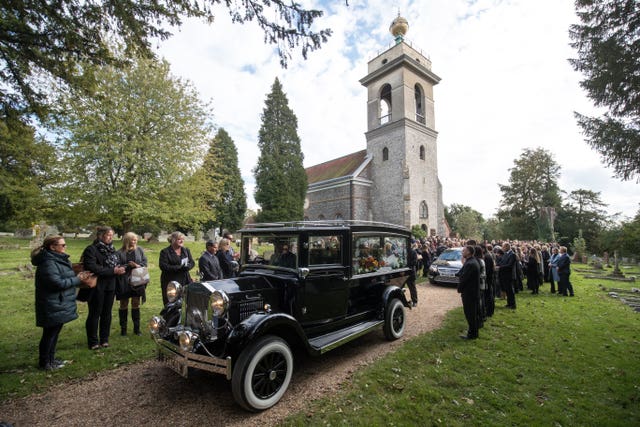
(394, 320)
(262, 373)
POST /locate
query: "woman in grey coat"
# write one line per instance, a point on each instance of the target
(56, 284)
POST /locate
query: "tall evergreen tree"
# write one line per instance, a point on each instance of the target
(281, 181)
(533, 184)
(608, 46)
(227, 198)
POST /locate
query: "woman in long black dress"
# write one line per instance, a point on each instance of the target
(533, 271)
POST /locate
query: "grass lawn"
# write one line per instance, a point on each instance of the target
(19, 337)
(555, 361)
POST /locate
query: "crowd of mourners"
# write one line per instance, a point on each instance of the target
(497, 270)
(106, 274)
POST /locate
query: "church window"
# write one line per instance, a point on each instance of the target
(424, 210)
(385, 154)
(306, 218)
(321, 217)
(422, 155)
(339, 216)
(419, 97)
(385, 104)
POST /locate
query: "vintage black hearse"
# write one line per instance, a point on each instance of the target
(309, 285)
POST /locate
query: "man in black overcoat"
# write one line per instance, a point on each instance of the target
(469, 288)
(506, 266)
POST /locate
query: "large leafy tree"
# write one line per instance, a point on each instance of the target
(533, 185)
(130, 151)
(25, 164)
(49, 39)
(607, 41)
(582, 210)
(227, 198)
(281, 181)
(465, 221)
(630, 243)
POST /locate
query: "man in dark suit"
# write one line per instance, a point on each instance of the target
(564, 271)
(506, 266)
(469, 287)
(208, 263)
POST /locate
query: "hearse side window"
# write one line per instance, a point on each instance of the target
(278, 251)
(325, 250)
(395, 252)
(379, 253)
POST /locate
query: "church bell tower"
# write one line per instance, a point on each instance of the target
(401, 136)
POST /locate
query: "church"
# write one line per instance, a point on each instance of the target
(395, 179)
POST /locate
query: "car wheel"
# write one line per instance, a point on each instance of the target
(262, 373)
(433, 282)
(394, 320)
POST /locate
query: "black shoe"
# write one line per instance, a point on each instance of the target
(59, 363)
(50, 367)
(468, 337)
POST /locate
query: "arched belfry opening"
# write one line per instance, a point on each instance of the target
(385, 154)
(419, 99)
(385, 104)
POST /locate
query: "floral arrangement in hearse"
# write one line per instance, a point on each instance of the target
(369, 264)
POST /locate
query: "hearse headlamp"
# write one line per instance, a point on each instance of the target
(174, 291)
(187, 339)
(219, 303)
(157, 325)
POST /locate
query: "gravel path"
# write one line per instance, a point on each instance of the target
(148, 389)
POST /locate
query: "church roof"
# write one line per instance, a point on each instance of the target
(336, 168)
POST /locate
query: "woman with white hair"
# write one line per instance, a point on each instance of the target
(175, 263)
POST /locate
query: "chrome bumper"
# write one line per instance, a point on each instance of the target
(180, 361)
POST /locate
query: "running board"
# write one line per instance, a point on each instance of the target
(332, 340)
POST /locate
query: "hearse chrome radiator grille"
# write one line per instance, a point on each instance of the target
(247, 308)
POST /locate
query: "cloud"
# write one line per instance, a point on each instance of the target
(506, 86)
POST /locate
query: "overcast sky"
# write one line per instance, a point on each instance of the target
(506, 86)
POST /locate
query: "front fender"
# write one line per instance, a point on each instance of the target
(260, 324)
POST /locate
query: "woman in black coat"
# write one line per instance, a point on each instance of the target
(175, 263)
(102, 260)
(56, 284)
(533, 271)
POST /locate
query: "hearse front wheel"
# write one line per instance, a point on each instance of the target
(394, 320)
(262, 373)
